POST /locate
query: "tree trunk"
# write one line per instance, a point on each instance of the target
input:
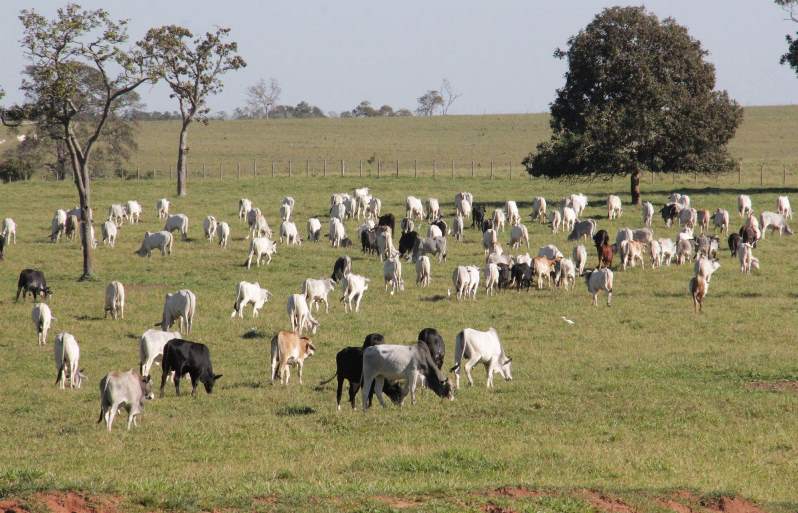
(182, 188)
(635, 182)
(84, 194)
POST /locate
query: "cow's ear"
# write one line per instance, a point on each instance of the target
(216, 376)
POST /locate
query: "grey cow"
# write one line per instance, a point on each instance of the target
(433, 245)
(123, 390)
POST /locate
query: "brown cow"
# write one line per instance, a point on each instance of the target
(605, 254)
(288, 348)
(698, 289)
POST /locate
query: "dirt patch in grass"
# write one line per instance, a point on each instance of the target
(72, 502)
(494, 508)
(399, 502)
(515, 492)
(13, 506)
(774, 386)
(730, 505)
(605, 503)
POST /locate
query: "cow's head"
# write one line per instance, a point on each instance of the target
(309, 347)
(46, 292)
(146, 388)
(210, 382)
(506, 368)
(447, 391)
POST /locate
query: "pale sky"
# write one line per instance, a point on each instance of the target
(498, 53)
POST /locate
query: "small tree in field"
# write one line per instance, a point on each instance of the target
(428, 102)
(638, 96)
(58, 102)
(193, 70)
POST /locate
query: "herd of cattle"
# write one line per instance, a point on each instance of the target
(396, 370)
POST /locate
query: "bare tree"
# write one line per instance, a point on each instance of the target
(428, 102)
(449, 96)
(262, 97)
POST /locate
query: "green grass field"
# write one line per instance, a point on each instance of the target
(636, 400)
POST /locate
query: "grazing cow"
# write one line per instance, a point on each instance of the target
(392, 274)
(519, 234)
(776, 222)
(783, 207)
(568, 219)
(598, 280)
(413, 208)
(655, 250)
(258, 226)
(9, 230)
(289, 233)
(338, 211)
(704, 267)
(688, 217)
(58, 225)
(555, 218)
(159, 240)
(744, 207)
(433, 209)
(539, 209)
(385, 247)
(721, 220)
(644, 235)
(77, 212)
(703, 220)
(550, 251)
(117, 214)
(668, 250)
(115, 300)
(746, 255)
(247, 293)
(289, 200)
(698, 288)
(458, 227)
(374, 208)
(543, 268)
(33, 281)
(67, 361)
(480, 347)
(605, 254)
(342, 267)
(491, 272)
(576, 201)
(288, 349)
(42, 317)
(584, 228)
(368, 241)
(316, 292)
(648, 213)
(465, 280)
(179, 305)
(708, 246)
(684, 251)
(314, 229)
(177, 222)
(109, 233)
(285, 212)
(434, 342)
(435, 246)
(387, 220)
(134, 211)
(464, 204)
(337, 232)
(734, 243)
(407, 225)
(162, 208)
(498, 219)
(614, 207)
(410, 364)
(72, 226)
(670, 212)
(565, 273)
(299, 314)
(489, 240)
(224, 234)
(478, 215)
(258, 247)
(513, 216)
(151, 346)
(521, 275)
(579, 256)
(631, 251)
(125, 390)
(209, 226)
(337, 198)
(355, 288)
(423, 271)
(186, 357)
(506, 276)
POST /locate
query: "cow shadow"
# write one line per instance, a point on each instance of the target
(725, 190)
(88, 318)
(435, 298)
(254, 334)
(295, 411)
(244, 384)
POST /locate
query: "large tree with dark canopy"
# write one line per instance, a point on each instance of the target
(638, 96)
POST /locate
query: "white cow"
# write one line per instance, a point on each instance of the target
(413, 208)
(247, 293)
(555, 218)
(258, 226)
(42, 318)
(362, 198)
(285, 212)
(423, 270)
(288, 200)
(688, 217)
(480, 347)
(244, 206)
(550, 251)
(539, 209)
(123, 390)
(463, 202)
(458, 227)
(704, 267)
(631, 252)
(92, 238)
(116, 213)
(9, 230)
(158, 240)
(258, 247)
(67, 360)
(338, 211)
(58, 225)
(134, 211)
(316, 291)
(209, 226)
(568, 219)
(648, 213)
(289, 232)
(465, 280)
(513, 216)
(684, 251)
(783, 207)
(162, 208)
(745, 252)
(337, 232)
(744, 206)
(354, 289)
(115, 300)
(598, 280)
(179, 305)
(491, 272)
(614, 207)
(374, 207)
(109, 233)
(490, 240)
(151, 346)
(177, 222)
(774, 221)
(314, 229)
(498, 220)
(519, 234)
(299, 314)
(668, 250)
(433, 209)
(392, 274)
(578, 202)
(224, 234)
(580, 258)
(566, 273)
(655, 250)
(434, 231)
(721, 220)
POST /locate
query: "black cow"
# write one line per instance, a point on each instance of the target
(477, 216)
(32, 280)
(342, 266)
(2, 246)
(349, 366)
(346, 242)
(601, 238)
(368, 241)
(734, 243)
(522, 275)
(434, 341)
(487, 224)
(407, 242)
(748, 234)
(669, 213)
(387, 220)
(183, 356)
(505, 276)
(440, 223)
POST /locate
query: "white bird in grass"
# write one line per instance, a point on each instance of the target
(569, 321)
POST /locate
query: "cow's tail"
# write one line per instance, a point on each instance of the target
(322, 383)
(105, 387)
(275, 355)
(459, 351)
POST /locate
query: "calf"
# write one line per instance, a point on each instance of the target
(631, 251)
(289, 233)
(601, 237)
(134, 211)
(435, 246)
(783, 207)
(605, 254)
(458, 227)
(162, 208)
(109, 233)
(413, 208)
(580, 258)
(581, 229)
(614, 207)
(543, 267)
(698, 290)
(550, 251)
(224, 234)
(289, 349)
(67, 361)
(721, 220)
(648, 213)
(177, 222)
(518, 235)
(342, 267)
(703, 220)
(9, 230)
(407, 225)
(151, 346)
(465, 280)
(489, 240)
(491, 272)
(392, 274)
(314, 229)
(115, 300)
(734, 243)
(354, 290)
(374, 207)
(387, 220)
(116, 214)
(407, 363)
(407, 242)
(521, 275)
(423, 271)
(498, 219)
(539, 209)
(464, 208)
(160, 240)
(316, 292)
(337, 232)
(598, 280)
(299, 314)
(42, 317)
(684, 251)
(478, 216)
(565, 273)
(258, 247)
(33, 281)
(480, 347)
(670, 212)
(125, 390)
(747, 260)
(744, 207)
(704, 267)
(285, 212)
(247, 293)
(555, 218)
(186, 357)
(72, 226)
(568, 219)
(655, 249)
(179, 305)
(505, 276)
(209, 226)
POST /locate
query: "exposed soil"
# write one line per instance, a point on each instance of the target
(12, 506)
(399, 502)
(72, 502)
(516, 492)
(606, 503)
(774, 386)
(493, 508)
(731, 505)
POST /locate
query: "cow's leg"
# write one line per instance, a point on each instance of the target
(300, 371)
(194, 380)
(340, 389)
(609, 297)
(412, 385)
(468, 366)
(379, 382)
(354, 386)
(176, 378)
(110, 415)
(368, 382)
(326, 305)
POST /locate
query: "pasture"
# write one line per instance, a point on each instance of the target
(640, 402)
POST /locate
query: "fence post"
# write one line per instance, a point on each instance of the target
(239, 170)
(324, 167)
(220, 171)
(415, 168)
(652, 176)
(397, 168)
(170, 173)
(433, 169)
(784, 176)
(254, 169)
(138, 175)
(343, 168)
(491, 170)
(307, 167)
(203, 170)
(510, 169)
(273, 166)
(740, 173)
(452, 168)
(472, 169)
(379, 168)
(290, 167)
(360, 164)
(761, 173)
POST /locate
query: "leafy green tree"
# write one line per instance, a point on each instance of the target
(193, 68)
(638, 96)
(57, 97)
(791, 56)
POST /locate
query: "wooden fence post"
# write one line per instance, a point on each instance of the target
(452, 168)
(379, 168)
(397, 168)
(491, 170)
(472, 169)
(761, 173)
(510, 169)
(254, 169)
(360, 164)
(740, 173)
(324, 167)
(273, 165)
(170, 173)
(343, 168)
(784, 176)
(203, 170)
(239, 170)
(307, 167)
(290, 167)
(433, 169)
(138, 175)
(220, 171)
(415, 168)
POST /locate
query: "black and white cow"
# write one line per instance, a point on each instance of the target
(387, 220)
(183, 356)
(407, 242)
(342, 267)
(434, 341)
